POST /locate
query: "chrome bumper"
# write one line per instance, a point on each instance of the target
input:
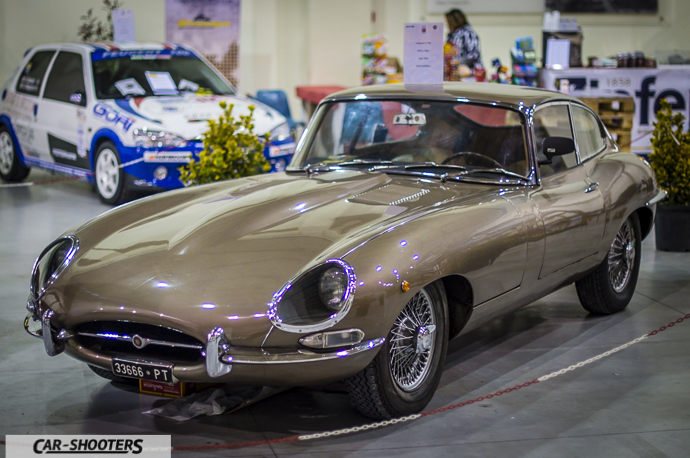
(661, 195)
(220, 355)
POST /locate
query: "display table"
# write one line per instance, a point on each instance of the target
(312, 95)
(646, 85)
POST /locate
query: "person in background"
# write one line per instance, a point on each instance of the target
(464, 39)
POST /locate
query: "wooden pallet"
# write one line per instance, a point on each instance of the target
(617, 114)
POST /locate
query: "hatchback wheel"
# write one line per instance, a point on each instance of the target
(110, 178)
(10, 168)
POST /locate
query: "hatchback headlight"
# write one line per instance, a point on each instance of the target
(315, 300)
(157, 139)
(52, 262)
(281, 133)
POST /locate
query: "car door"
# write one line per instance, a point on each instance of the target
(25, 106)
(570, 205)
(62, 116)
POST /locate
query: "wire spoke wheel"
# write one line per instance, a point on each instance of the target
(6, 153)
(412, 342)
(622, 258)
(107, 173)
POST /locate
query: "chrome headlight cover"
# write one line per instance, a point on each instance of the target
(280, 133)
(157, 139)
(65, 248)
(283, 314)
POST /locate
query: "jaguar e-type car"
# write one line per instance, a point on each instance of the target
(408, 216)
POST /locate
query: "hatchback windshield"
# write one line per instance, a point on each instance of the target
(405, 133)
(140, 75)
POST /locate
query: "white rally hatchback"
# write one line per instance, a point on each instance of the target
(123, 116)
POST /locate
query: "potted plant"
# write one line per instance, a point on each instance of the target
(231, 150)
(670, 161)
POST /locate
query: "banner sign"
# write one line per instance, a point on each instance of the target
(423, 53)
(648, 86)
(212, 27)
(141, 446)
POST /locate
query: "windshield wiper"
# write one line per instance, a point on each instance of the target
(495, 171)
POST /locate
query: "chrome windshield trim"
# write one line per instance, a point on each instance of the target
(146, 341)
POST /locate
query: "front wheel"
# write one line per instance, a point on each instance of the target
(403, 377)
(109, 176)
(10, 168)
(611, 286)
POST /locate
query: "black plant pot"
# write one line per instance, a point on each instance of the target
(672, 227)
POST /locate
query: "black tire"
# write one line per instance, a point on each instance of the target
(109, 177)
(611, 286)
(106, 374)
(376, 392)
(11, 169)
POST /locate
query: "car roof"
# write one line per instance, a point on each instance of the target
(105, 46)
(503, 94)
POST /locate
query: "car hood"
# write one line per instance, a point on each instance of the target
(214, 255)
(186, 114)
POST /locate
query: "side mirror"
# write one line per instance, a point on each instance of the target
(78, 98)
(556, 146)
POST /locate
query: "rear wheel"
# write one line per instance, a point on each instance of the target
(403, 377)
(10, 168)
(611, 286)
(109, 176)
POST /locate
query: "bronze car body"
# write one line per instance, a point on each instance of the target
(204, 268)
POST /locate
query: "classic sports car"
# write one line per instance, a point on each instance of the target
(86, 109)
(407, 217)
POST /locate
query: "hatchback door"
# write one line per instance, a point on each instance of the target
(62, 117)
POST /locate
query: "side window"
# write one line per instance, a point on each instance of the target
(66, 80)
(590, 138)
(553, 121)
(31, 77)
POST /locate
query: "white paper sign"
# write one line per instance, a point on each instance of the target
(161, 83)
(423, 53)
(123, 25)
(557, 53)
(129, 86)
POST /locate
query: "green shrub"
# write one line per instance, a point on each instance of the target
(670, 158)
(231, 150)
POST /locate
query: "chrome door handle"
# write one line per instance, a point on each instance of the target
(592, 187)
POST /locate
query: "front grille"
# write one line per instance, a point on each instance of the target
(118, 338)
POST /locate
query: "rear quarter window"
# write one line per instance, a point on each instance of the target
(32, 75)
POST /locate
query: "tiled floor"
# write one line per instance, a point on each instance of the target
(635, 403)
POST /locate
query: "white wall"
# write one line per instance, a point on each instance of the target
(286, 43)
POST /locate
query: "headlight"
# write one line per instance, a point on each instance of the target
(281, 133)
(157, 139)
(52, 262)
(315, 300)
(332, 287)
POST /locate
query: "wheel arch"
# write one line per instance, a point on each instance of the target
(460, 299)
(98, 139)
(646, 217)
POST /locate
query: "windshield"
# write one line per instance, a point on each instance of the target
(395, 133)
(140, 75)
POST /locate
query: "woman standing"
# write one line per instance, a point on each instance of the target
(464, 39)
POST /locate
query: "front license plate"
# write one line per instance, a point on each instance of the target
(158, 371)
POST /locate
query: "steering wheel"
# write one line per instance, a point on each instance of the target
(482, 159)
